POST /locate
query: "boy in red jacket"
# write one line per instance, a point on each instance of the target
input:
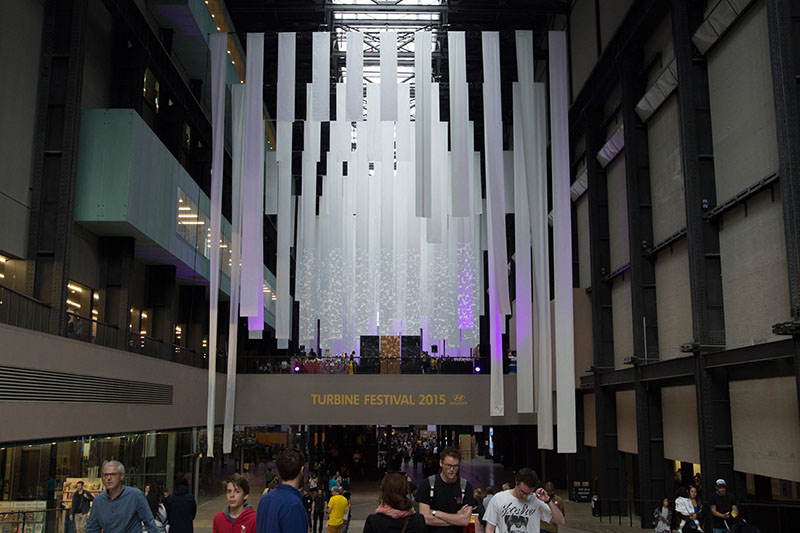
(239, 516)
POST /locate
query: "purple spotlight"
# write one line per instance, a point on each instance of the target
(297, 369)
(477, 370)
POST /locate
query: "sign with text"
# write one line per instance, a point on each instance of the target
(372, 399)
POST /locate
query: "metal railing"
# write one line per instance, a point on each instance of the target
(20, 310)
(273, 364)
(56, 520)
(91, 330)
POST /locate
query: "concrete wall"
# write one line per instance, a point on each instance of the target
(617, 212)
(742, 105)
(666, 173)
(584, 258)
(20, 51)
(622, 319)
(30, 421)
(755, 283)
(766, 432)
(679, 411)
(611, 16)
(659, 42)
(98, 67)
(626, 422)
(673, 300)
(582, 42)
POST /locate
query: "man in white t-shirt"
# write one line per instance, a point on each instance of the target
(520, 509)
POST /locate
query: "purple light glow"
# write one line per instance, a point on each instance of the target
(477, 370)
(297, 369)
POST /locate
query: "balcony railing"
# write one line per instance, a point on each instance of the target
(20, 310)
(17, 309)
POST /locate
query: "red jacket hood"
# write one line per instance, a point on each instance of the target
(244, 523)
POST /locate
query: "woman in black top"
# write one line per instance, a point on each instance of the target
(395, 513)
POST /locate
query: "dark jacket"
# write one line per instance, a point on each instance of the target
(181, 510)
(80, 502)
(380, 523)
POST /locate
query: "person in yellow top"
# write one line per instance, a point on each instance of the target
(337, 507)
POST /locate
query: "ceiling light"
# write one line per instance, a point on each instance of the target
(74, 287)
(2, 276)
(184, 208)
(3, 259)
(187, 215)
(144, 315)
(74, 304)
(96, 296)
(95, 312)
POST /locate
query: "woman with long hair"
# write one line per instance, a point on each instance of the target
(158, 510)
(395, 512)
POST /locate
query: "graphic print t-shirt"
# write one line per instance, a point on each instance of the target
(511, 515)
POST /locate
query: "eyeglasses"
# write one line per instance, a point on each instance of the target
(110, 474)
(524, 493)
(450, 466)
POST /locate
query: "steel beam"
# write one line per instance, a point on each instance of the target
(783, 17)
(56, 155)
(708, 321)
(610, 475)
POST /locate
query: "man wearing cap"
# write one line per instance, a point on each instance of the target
(723, 508)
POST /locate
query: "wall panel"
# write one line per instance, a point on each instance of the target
(673, 300)
(766, 432)
(679, 408)
(666, 174)
(617, 212)
(589, 421)
(611, 16)
(742, 105)
(755, 279)
(98, 66)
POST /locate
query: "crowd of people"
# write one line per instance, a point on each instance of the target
(296, 502)
(691, 510)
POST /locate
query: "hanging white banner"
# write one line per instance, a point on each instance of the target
(354, 79)
(388, 76)
(233, 258)
(562, 242)
(283, 304)
(255, 324)
(522, 271)
(422, 126)
(286, 75)
(495, 173)
(405, 135)
(252, 178)
(459, 119)
(320, 77)
(270, 183)
(219, 61)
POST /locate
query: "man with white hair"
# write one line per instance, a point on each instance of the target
(120, 509)
(337, 507)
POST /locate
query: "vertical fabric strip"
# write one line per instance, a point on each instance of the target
(219, 61)
(286, 73)
(495, 206)
(388, 76)
(270, 183)
(522, 255)
(562, 243)
(252, 177)
(355, 75)
(422, 88)
(237, 96)
(320, 77)
(459, 124)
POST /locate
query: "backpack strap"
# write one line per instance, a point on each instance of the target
(463, 488)
(432, 483)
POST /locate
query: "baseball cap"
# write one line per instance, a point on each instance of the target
(721, 483)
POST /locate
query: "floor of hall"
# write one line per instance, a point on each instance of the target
(478, 471)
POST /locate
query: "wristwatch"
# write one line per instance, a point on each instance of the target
(433, 513)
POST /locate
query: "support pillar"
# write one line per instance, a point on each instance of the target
(610, 473)
(116, 278)
(708, 320)
(58, 120)
(162, 299)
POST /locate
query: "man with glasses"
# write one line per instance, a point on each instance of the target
(446, 500)
(519, 510)
(120, 509)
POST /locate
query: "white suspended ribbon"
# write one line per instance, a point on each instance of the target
(354, 62)
(562, 242)
(320, 77)
(286, 77)
(388, 76)
(422, 88)
(218, 65)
